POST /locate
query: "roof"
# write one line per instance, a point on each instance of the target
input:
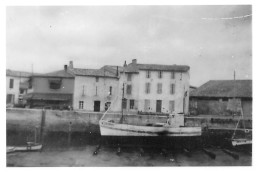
(17, 73)
(105, 71)
(59, 74)
(48, 96)
(132, 67)
(225, 89)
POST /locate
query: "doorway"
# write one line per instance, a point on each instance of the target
(158, 105)
(96, 106)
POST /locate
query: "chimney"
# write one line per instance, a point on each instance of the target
(134, 61)
(117, 71)
(125, 64)
(71, 65)
(65, 67)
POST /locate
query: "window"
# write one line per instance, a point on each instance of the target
(97, 79)
(171, 106)
(172, 88)
(159, 88)
(132, 104)
(129, 77)
(147, 88)
(55, 84)
(10, 98)
(11, 84)
(172, 75)
(148, 74)
(110, 90)
(160, 74)
(96, 90)
(128, 89)
(81, 104)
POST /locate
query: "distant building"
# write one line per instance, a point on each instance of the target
(216, 96)
(95, 89)
(192, 88)
(16, 86)
(53, 90)
(153, 88)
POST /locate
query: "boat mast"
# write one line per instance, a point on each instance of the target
(123, 94)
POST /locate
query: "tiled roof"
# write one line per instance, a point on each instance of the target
(60, 74)
(156, 67)
(224, 88)
(17, 73)
(105, 71)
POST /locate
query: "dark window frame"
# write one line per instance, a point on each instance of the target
(11, 83)
(132, 103)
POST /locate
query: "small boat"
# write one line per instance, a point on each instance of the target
(10, 149)
(246, 139)
(29, 147)
(240, 142)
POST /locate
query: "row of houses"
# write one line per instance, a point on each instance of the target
(134, 87)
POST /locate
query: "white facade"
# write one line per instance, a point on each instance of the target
(147, 102)
(13, 90)
(89, 90)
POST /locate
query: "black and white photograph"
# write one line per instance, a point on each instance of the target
(129, 85)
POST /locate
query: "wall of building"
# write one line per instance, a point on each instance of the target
(139, 81)
(217, 107)
(16, 86)
(86, 89)
(41, 85)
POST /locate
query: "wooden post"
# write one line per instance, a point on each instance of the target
(42, 126)
(69, 134)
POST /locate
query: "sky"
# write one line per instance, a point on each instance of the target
(213, 40)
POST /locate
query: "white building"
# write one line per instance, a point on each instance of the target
(155, 88)
(16, 86)
(95, 89)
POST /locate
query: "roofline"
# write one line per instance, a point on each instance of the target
(97, 76)
(44, 76)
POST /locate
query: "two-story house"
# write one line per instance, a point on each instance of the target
(155, 88)
(95, 89)
(16, 86)
(54, 90)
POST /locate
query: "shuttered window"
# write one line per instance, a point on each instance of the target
(147, 88)
(160, 74)
(173, 75)
(11, 83)
(171, 106)
(129, 77)
(148, 74)
(159, 88)
(172, 89)
(128, 89)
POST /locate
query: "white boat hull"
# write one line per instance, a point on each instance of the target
(24, 148)
(114, 129)
(241, 142)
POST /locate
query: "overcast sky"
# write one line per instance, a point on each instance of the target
(93, 36)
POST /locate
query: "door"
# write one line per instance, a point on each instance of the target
(96, 106)
(146, 105)
(158, 105)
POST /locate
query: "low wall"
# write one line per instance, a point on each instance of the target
(22, 123)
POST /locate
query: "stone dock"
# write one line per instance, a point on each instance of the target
(23, 123)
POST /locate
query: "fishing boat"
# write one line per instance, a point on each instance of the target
(172, 127)
(109, 128)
